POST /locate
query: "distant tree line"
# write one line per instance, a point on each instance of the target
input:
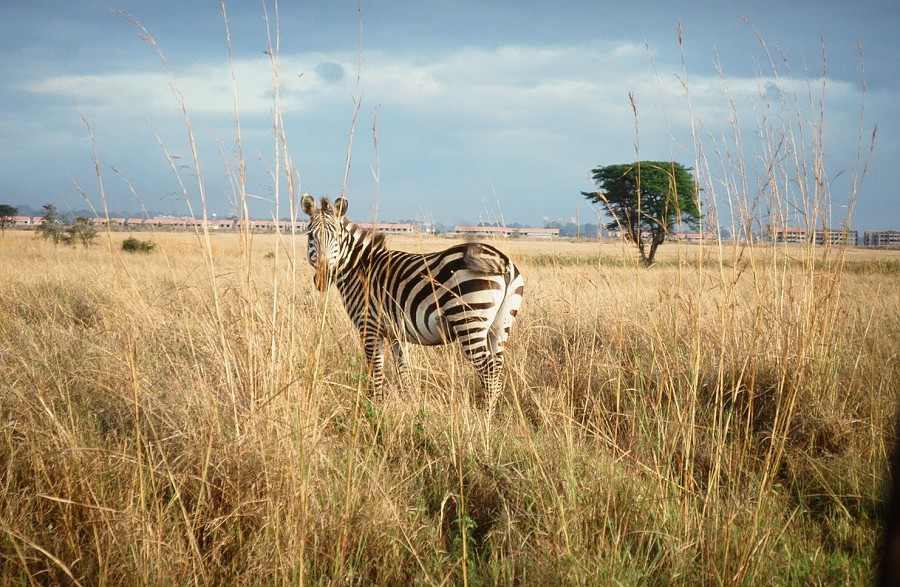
(569, 229)
(53, 227)
(72, 214)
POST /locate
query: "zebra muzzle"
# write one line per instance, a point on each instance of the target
(322, 277)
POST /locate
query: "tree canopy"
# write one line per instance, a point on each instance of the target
(51, 226)
(7, 216)
(646, 200)
(59, 231)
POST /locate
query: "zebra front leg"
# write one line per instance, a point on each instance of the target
(373, 347)
(402, 369)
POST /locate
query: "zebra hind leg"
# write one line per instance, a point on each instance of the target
(494, 380)
(374, 351)
(489, 367)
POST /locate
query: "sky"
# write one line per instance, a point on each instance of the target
(459, 111)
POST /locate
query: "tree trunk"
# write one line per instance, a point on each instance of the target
(641, 249)
(650, 259)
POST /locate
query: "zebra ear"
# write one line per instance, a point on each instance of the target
(308, 204)
(340, 207)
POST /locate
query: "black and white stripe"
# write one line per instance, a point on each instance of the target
(470, 292)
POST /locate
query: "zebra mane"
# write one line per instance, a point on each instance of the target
(373, 238)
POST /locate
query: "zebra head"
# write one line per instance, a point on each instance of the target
(326, 231)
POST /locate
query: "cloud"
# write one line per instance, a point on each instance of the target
(561, 91)
(492, 79)
(545, 114)
(116, 91)
(330, 71)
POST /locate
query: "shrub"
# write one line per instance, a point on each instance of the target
(134, 245)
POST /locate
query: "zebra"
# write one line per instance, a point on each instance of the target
(470, 292)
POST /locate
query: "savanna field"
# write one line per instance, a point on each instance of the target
(197, 415)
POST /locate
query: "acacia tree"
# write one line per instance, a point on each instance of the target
(7, 216)
(81, 231)
(51, 226)
(646, 200)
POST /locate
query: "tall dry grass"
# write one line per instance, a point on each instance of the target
(657, 427)
(198, 415)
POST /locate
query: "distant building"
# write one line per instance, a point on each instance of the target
(505, 231)
(389, 227)
(694, 237)
(169, 222)
(881, 238)
(480, 230)
(788, 235)
(623, 235)
(297, 226)
(534, 232)
(104, 221)
(832, 236)
(249, 224)
(265, 225)
(222, 224)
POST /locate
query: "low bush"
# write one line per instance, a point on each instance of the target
(134, 245)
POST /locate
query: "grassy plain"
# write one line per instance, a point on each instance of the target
(197, 415)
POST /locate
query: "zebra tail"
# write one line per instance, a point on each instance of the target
(485, 260)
